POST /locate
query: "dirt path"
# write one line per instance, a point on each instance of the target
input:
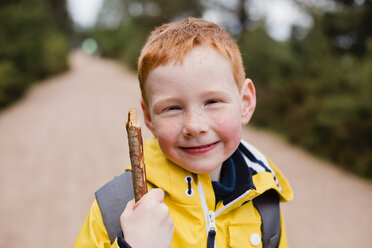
(66, 138)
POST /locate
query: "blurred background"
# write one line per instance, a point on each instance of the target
(310, 61)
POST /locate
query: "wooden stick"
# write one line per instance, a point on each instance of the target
(136, 155)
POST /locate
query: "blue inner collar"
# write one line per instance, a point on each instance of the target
(227, 182)
(235, 179)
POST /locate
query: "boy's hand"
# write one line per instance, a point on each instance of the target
(147, 223)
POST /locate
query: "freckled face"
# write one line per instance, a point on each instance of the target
(195, 110)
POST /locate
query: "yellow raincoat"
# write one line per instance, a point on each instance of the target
(237, 225)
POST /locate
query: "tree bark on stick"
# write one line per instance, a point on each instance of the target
(136, 155)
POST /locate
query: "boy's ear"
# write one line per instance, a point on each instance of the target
(248, 97)
(147, 117)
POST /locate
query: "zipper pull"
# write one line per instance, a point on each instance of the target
(211, 230)
(211, 221)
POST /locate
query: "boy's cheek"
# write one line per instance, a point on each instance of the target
(229, 127)
(167, 140)
(165, 133)
(165, 136)
(228, 121)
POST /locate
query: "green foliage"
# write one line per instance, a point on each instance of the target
(31, 47)
(54, 53)
(264, 58)
(116, 44)
(316, 96)
(350, 29)
(10, 83)
(124, 42)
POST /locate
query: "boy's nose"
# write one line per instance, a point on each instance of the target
(194, 125)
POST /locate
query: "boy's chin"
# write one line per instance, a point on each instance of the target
(201, 169)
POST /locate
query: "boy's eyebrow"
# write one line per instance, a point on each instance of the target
(213, 92)
(205, 94)
(165, 100)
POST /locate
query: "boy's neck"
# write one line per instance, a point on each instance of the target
(215, 174)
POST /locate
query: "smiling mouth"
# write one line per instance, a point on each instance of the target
(199, 149)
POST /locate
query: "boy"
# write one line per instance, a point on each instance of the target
(205, 182)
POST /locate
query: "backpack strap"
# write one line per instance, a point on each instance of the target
(114, 196)
(267, 204)
(112, 199)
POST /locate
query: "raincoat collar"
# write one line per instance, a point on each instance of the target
(255, 175)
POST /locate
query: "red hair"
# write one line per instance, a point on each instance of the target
(174, 40)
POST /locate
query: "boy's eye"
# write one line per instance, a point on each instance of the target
(211, 101)
(172, 108)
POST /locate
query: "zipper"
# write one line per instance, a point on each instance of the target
(210, 216)
(212, 229)
(210, 219)
(211, 222)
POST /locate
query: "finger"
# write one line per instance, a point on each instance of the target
(128, 210)
(130, 206)
(157, 194)
(135, 205)
(150, 199)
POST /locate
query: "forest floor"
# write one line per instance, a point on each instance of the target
(67, 137)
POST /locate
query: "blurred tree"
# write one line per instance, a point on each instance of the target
(146, 14)
(122, 25)
(232, 15)
(32, 46)
(323, 103)
(350, 28)
(346, 23)
(60, 15)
